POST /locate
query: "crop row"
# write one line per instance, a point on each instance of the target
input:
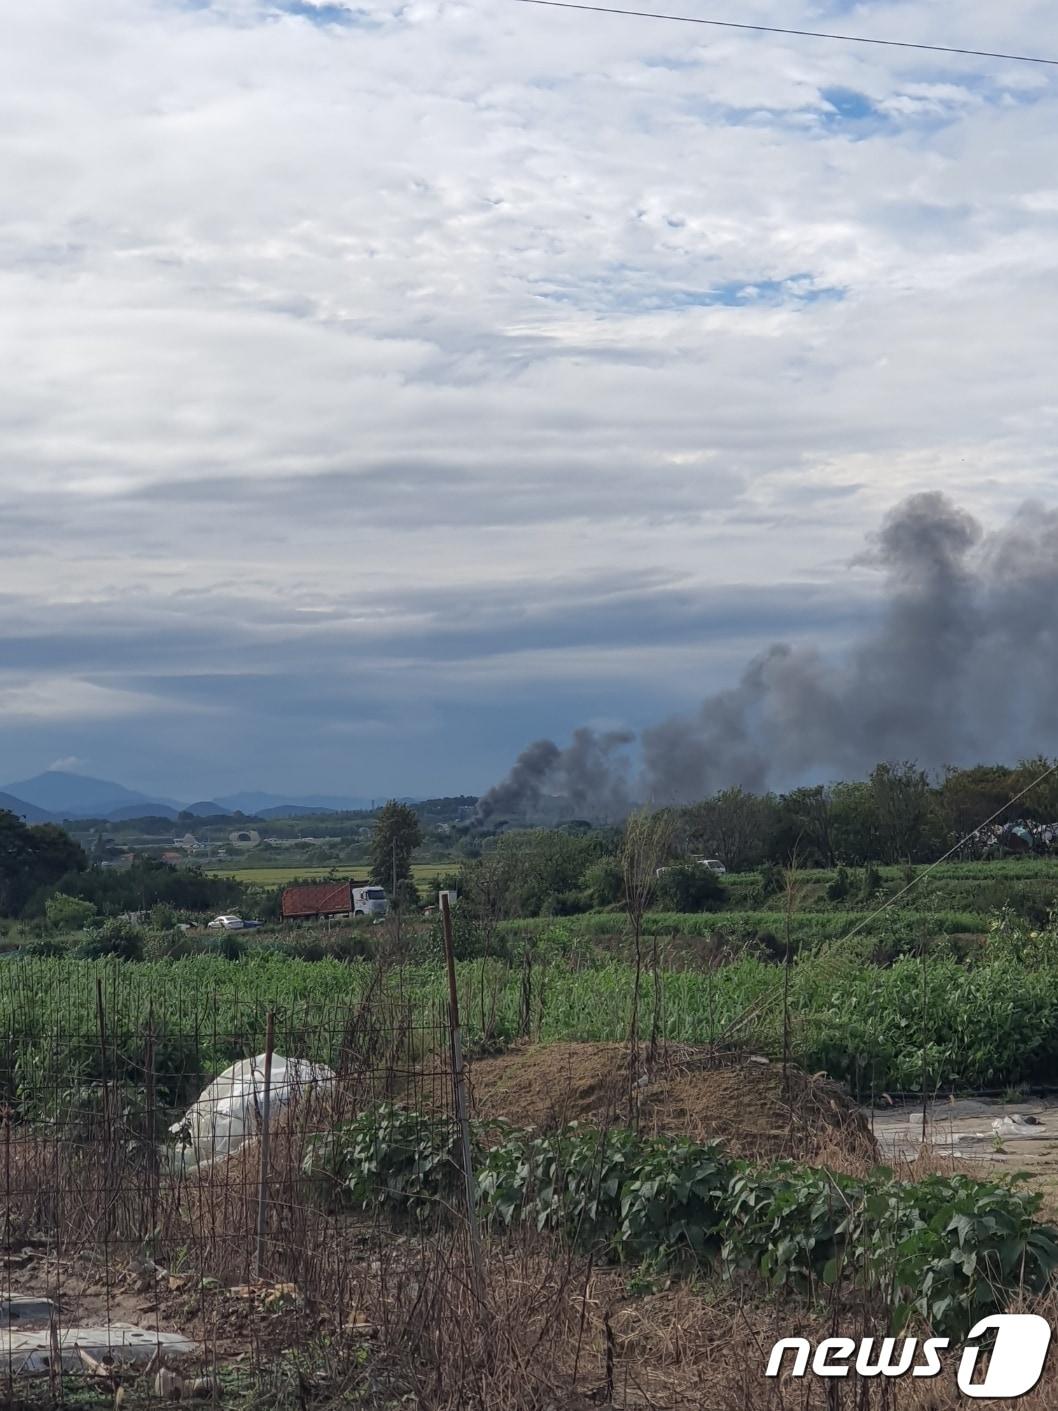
(946, 1251)
(806, 928)
(936, 1024)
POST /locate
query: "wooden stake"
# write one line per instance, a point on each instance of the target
(462, 1115)
(266, 1112)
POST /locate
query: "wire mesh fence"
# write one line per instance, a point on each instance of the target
(149, 1208)
(174, 1224)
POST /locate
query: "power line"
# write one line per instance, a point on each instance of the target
(769, 1003)
(798, 33)
(921, 877)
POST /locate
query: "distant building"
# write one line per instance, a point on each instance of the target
(244, 838)
(188, 842)
(172, 858)
(120, 864)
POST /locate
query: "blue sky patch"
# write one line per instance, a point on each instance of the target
(850, 105)
(319, 14)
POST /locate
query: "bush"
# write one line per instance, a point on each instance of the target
(68, 913)
(690, 887)
(872, 881)
(162, 918)
(566, 904)
(604, 882)
(839, 886)
(115, 937)
(771, 882)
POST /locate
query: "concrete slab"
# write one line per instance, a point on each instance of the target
(25, 1308)
(29, 1352)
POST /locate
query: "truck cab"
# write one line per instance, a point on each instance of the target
(369, 901)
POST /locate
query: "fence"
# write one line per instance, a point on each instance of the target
(125, 1225)
(150, 1262)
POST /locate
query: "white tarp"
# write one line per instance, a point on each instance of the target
(229, 1110)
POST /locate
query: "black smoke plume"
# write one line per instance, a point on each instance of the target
(962, 666)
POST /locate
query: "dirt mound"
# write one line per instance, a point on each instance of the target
(688, 1093)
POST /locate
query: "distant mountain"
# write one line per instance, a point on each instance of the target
(253, 802)
(292, 810)
(133, 811)
(206, 810)
(28, 811)
(79, 796)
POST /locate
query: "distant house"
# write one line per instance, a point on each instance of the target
(121, 863)
(244, 838)
(188, 842)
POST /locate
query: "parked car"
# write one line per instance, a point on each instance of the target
(713, 863)
(226, 923)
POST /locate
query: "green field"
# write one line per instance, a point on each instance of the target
(936, 1025)
(280, 876)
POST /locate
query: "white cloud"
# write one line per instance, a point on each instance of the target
(241, 247)
(69, 763)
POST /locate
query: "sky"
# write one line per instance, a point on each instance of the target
(387, 385)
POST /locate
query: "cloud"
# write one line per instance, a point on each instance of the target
(496, 345)
(68, 764)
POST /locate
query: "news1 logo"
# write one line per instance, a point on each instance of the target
(1016, 1357)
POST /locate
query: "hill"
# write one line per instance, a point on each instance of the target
(21, 809)
(79, 796)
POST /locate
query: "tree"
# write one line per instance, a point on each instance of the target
(32, 859)
(807, 824)
(734, 826)
(908, 821)
(604, 881)
(854, 823)
(397, 834)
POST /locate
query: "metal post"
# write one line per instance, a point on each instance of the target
(462, 1116)
(266, 1111)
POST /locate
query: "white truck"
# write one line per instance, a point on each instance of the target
(369, 901)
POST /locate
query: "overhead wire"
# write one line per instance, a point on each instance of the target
(797, 33)
(832, 954)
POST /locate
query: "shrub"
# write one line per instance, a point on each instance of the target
(162, 918)
(115, 937)
(839, 886)
(690, 887)
(604, 882)
(68, 913)
(871, 883)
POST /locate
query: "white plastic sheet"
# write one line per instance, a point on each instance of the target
(229, 1110)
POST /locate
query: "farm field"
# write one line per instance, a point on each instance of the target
(700, 1138)
(939, 1025)
(280, 876)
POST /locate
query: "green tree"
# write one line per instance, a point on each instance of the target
(397, 834)
(32, 859)
(908, 820)
(604, 881)
(734, 825)
(854, 823)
